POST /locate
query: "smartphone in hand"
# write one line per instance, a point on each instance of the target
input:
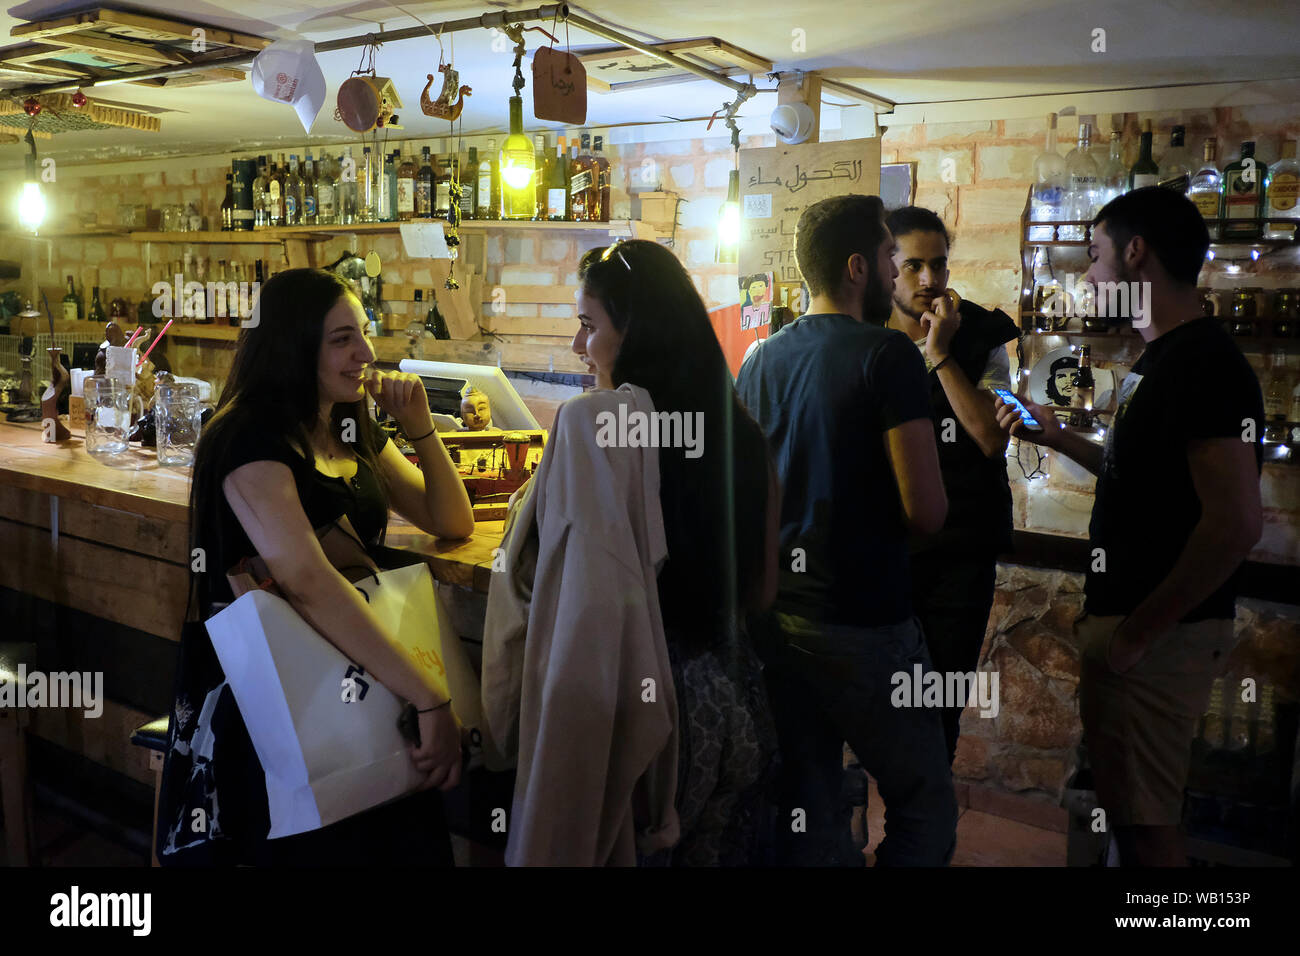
(1026, 419)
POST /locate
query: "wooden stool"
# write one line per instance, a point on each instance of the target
(15, 788)
(153, 736)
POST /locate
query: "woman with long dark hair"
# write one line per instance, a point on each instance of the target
(644, 331)
(290, 450)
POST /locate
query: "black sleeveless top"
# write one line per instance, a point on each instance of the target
(211, 765)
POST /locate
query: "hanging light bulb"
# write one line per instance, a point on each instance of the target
(729, 221)
(518, 166)
(31, 201)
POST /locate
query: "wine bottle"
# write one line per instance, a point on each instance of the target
(1145, 172)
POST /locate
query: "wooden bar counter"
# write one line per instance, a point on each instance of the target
(94, 563)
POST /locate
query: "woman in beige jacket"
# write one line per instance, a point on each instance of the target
(616, 665)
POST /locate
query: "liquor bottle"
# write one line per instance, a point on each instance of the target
(602, 177)
(557, 183)
(367, 200)
(1176, 165)
(485, 183)
(1114, 174)
(469, 187)
(1206, 188)
(346, 197)
(442, 188)
(261, 186)
(1277, 395)
(1281, 192)
(544, 161)
(454, 179)
(1048, 193)
(325, 190)
(1085, 385)
(144, 311)
(71, 306)
(1243, 195)
(309, 193)
(406, 190)
(284, 191)
(228, 206)
(424, 187)
(1081, 196)
(582, 181)
(1145, 172)
(274, 197)
(391, 165)
(293, 194)
(96, 313)
(434, 322)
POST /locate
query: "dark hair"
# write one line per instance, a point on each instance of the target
(830, 232)
(907, 219)
(714, 506)
(272, 388)
(1065, 361)
(1168, 221)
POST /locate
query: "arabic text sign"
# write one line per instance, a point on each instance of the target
(783, 181)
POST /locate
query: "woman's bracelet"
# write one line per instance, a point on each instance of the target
(445, 703)
(946, 358)
(422, 437)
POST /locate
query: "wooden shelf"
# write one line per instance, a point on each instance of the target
(630, 228)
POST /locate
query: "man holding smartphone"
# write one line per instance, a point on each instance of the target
(965, 351)
(1177, 510)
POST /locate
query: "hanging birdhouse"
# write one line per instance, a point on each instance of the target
(367, 102)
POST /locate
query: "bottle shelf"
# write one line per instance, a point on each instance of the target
(1128, 332)
(626, 228)
(1213, 224)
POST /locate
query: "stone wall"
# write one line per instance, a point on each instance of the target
(1030, 747)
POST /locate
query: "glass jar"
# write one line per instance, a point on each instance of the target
(1286, 312)
(1243, 311)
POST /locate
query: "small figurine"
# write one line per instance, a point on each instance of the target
(450, 100)
(476, 411)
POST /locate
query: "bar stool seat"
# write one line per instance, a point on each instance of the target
(15, 787)
(153, 737)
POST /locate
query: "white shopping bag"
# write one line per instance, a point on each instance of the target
(324, 729)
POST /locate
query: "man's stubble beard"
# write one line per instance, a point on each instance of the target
(877, 302)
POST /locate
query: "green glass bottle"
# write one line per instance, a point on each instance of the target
(1243, 194)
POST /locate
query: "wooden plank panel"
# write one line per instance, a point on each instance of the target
(516, 325)
(534, 294)
(124, 51)
(152, 537)
(105, 740)
(146, 594)
(117, 19)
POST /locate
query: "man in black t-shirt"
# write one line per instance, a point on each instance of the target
(964, 350)
(843, 401)
(1177, 510)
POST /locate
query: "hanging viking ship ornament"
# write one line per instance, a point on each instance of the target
(451, 98)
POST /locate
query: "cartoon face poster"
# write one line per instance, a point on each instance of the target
(755, 300)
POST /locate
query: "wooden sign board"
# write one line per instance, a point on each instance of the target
(559, 87)
(778, 183)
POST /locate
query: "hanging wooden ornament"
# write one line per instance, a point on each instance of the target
(450, 99)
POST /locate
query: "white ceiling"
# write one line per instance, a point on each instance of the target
(909, 51)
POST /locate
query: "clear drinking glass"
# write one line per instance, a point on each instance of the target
(109, 404)
(178, 414)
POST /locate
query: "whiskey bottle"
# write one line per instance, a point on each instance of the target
(260, 185)
(228, 206)
(544, 160)
(71, 305)
(581, 180)
(1206, 189)
(406, 190)
(1243, 194)
(469, 187)
(1281, 192)
(442, 188)
(424, 187)
(1085, 386)
(602, 177)
(557, 183)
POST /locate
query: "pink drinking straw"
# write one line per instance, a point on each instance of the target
(134, 335)
(156, 340)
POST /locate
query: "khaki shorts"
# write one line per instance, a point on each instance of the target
(1139, 725)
